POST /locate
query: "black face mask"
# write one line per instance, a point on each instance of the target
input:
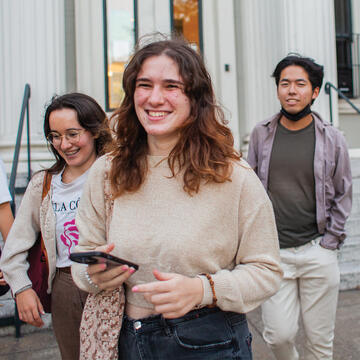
(298, 116)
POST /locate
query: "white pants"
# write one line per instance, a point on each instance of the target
(310, 286)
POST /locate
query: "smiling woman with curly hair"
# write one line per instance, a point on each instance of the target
(186, 208)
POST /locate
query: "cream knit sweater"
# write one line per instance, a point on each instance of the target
(34, 215)
(227, 230)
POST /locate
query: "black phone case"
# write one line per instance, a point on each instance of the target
(94, 257)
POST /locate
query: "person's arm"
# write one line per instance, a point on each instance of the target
(257, 274)
(6, 216)
(6, 219)
(341, 203)
(91, 224)
(22, 236)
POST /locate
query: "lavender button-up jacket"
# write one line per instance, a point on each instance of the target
(332, 171)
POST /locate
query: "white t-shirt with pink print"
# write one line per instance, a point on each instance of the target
(65, 201)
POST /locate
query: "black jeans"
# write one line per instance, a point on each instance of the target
(201, 334)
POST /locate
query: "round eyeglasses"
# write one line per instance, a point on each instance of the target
(72, 136)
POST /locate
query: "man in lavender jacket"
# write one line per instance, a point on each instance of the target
(304, 165)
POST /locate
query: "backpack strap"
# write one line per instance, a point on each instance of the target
(46, 184)
(45, 191)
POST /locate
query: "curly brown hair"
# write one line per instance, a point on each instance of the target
(205, 148)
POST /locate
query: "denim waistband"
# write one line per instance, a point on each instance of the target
(158, 322)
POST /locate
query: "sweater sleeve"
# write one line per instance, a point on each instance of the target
(90, 221)
(22, 236)
(257, 272)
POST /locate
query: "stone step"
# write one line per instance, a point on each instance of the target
(352, 240)
(350, 251)
(355, 210)
(353, 226)
(350, 275)
(356, 186)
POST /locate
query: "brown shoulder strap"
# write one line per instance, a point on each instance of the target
(45, 191)
(46, 183)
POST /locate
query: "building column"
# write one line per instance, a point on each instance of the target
(32, 51)
(220, 57)
(153, 16)
(310, 30)
(259, 46)
(90, 68)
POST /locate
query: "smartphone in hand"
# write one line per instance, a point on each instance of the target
(98, 257)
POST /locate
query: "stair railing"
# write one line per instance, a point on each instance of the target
(328, 87)
(24, 110)
(19, 190)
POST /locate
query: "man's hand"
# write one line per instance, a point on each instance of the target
(173, 295)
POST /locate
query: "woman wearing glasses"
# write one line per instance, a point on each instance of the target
(78, 132)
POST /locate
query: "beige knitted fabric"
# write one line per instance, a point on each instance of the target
(227, 230)
(33, 215)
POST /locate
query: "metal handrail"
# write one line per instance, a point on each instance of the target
(328, 87)
(24, 109)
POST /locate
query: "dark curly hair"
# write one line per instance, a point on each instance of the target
(90, 116)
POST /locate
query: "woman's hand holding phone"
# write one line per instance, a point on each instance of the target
(112, 278)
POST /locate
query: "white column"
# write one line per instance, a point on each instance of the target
(309, 28)
(32, 51)
(266, 32)
(259, 47)
(219, 51)
(153, 16)
(90, 67)
(355, 16)
(211, 42)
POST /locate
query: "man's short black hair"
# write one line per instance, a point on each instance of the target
(314, 70)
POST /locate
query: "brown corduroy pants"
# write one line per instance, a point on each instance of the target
(67, 303)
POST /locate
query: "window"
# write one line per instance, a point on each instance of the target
(186, 20)
(347, 50)
(120, 35)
